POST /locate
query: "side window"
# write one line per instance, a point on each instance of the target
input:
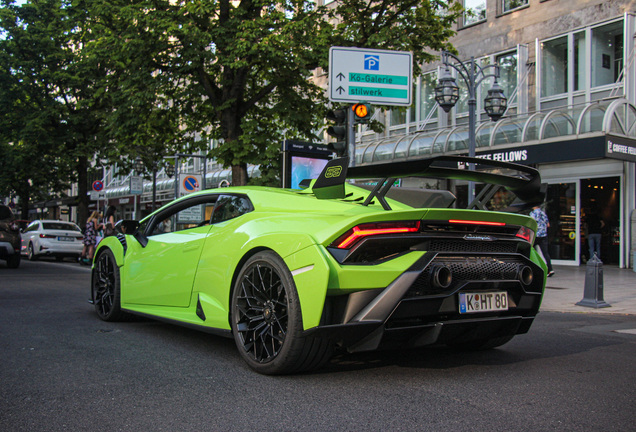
(32, 227)
(230, 206)
(183, 216)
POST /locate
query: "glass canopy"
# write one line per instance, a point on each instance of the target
(607, 116)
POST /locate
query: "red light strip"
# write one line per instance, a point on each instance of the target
(476, 222)
(358, 233)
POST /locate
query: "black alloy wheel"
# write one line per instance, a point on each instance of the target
(261, 312)
(106, 287)
(267, 320)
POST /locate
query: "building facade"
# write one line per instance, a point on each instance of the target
(567, 68)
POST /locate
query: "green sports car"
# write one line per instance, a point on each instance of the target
(292, 275)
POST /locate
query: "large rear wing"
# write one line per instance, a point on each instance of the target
(523, 181)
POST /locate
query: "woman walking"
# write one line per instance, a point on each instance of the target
(90, 238)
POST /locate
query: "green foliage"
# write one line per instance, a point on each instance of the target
(242, 72)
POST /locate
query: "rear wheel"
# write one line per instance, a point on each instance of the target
(267, 320)
(106, 288)
(31, 253)
(14, 261)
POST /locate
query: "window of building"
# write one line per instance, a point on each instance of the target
(607, 53)
(509, 5)
(507, 73)
(554, 63)
(474, 11)
(428, 105)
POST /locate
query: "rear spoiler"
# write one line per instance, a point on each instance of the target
(525, 183)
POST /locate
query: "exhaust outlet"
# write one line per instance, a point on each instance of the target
(441, 277)
(526, 275)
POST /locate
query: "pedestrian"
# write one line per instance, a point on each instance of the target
(109, 221)
(595, 227)
(90, 238)
(542, 235)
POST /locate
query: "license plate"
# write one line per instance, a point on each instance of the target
(66, 239)
(483, 302)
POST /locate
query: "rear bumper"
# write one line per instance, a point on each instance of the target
(408, 313)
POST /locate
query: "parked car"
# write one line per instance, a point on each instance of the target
(52, 238)
(293, 274)
(9, 237)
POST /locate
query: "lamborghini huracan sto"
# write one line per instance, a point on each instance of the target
(292, 275)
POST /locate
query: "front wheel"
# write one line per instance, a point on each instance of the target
(267, 320)
(106, 288)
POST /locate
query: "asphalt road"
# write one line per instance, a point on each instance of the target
(61, 368)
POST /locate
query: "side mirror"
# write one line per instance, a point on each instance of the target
(127, 227)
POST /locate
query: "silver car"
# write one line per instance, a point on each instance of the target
(52, 238)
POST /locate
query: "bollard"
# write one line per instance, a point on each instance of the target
(593, 294)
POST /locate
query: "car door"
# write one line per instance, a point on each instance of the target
(162, 272)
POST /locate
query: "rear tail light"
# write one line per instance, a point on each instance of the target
(79, 238)
(526, 233)
(47, 236)
(359, 232)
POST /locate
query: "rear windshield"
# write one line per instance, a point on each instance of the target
(60, 226)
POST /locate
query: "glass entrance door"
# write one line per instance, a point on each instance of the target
(563, 232)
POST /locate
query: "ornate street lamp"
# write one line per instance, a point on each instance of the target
(447, 94)
(138, 166)
(169, 169)
(496, 103)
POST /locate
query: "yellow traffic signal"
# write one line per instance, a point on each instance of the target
(362, 112)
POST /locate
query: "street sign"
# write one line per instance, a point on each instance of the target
(189, 183)
(380, 77)
(136, 185)
(98, 185)
(98, 196)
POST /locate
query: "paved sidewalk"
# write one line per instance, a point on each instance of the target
(567, 286)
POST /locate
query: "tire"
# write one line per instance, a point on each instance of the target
(14, 261)
(483, 344)
(31, 253)
(266, 320)
(106, 288)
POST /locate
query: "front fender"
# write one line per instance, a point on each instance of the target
(115, 246)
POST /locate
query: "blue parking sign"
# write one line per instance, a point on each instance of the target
(372, 62)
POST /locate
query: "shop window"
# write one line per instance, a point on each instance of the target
(607, 53)
(554, 73)
(509, 5)
(507, 73)
(474, 11)
(579, 61)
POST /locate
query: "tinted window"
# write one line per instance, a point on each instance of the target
(230, 206)
(60, 226)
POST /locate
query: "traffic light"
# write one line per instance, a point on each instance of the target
(361, 112)
(338, 131)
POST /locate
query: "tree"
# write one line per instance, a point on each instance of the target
(242, 72)
(49, 101)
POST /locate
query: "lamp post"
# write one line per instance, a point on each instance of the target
(447, 94)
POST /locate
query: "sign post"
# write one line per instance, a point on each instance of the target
(380, 77)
